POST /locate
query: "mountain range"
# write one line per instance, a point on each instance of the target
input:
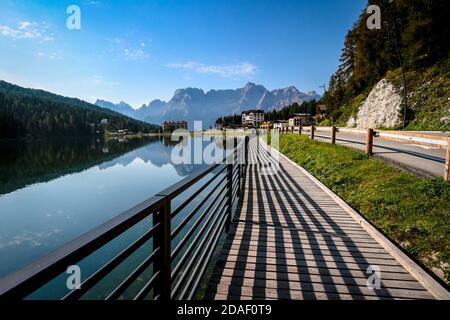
(194, 104)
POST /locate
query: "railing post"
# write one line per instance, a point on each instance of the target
(300, 129)
(447, 162)
(246, 150)
(238, 164)
(333, 135)
(239, 180)
(229, 195)
(369, 142)
(161, 240)
(312, 132)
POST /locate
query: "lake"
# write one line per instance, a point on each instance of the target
(53, 191)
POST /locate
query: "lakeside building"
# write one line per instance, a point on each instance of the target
(169, 126)
(300, 119)
(252, 118)
(280, 125)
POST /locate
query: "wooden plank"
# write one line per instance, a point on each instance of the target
(241, 263)
(309, 270)
(329, 291)
(296, 281)
(302, 234)
(309, 227)
(253, 256)
(275, 245)
(323, 250)
(315, 231)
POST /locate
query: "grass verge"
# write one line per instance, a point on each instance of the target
(411, 211)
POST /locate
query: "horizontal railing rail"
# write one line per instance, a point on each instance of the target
(180, 252)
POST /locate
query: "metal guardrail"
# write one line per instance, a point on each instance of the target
(178, 266)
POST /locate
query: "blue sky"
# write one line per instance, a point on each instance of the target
(137, 51)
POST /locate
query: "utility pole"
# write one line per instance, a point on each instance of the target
(400, 60)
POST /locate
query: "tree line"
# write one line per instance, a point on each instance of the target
(36, 113)
(414, 35)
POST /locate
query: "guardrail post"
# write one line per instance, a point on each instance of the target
(333, 135)
(229, 195)
(162, 263)
(238, 164)
(312, 132)
(300, 128)
(246, 150)
(369, 142)
(447, 162)
(239, 180)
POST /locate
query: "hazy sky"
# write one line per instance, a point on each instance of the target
(137, 51)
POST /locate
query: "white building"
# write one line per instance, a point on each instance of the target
(252, 118)
(298, 119)
(280, 125)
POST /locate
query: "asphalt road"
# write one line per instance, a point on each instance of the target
(422, 160)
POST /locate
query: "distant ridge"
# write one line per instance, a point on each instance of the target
(194, 104)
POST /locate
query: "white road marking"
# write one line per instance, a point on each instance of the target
(418, 145)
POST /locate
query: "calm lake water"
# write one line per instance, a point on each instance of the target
(53, 191)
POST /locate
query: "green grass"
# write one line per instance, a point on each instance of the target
(413, 212)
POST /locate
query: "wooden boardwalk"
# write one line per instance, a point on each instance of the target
(290, 239)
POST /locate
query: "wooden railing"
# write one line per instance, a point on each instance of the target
(180, 252)
(441, 142)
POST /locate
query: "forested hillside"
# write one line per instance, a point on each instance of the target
(412, 48)
(37, 113)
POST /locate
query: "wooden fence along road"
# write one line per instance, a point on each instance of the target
(292, 238)
(423, 153)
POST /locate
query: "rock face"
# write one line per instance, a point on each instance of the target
(382, 108)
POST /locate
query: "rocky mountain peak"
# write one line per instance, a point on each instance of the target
(194, 104)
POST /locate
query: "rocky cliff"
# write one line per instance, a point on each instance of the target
(382, 108)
